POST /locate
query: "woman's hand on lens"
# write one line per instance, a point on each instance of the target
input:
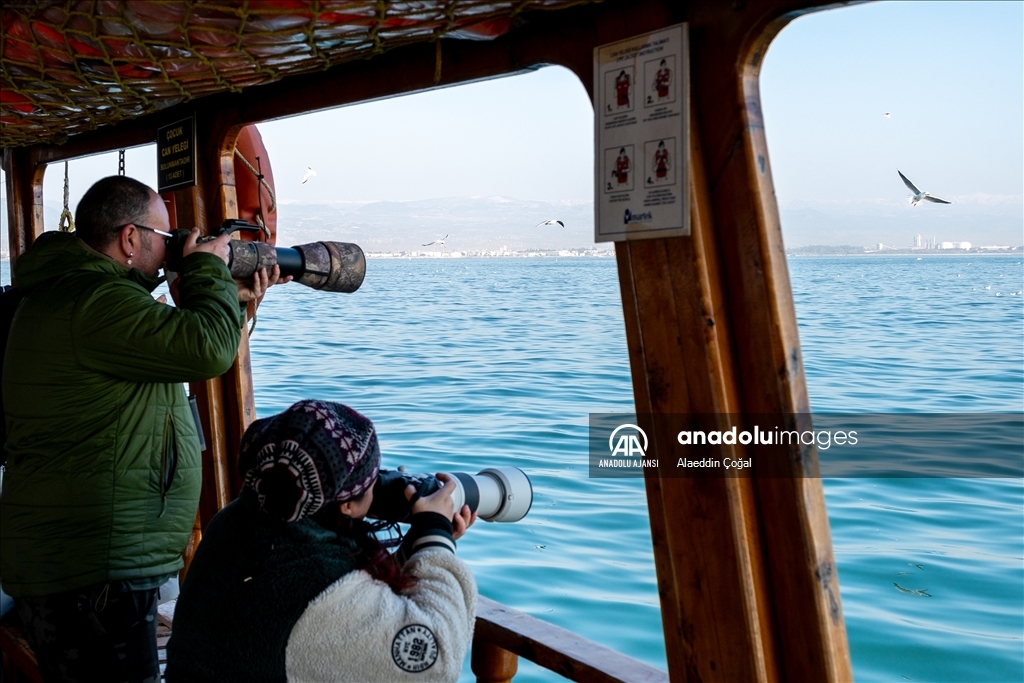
(462, 522)
(218, 247)
(440, 501)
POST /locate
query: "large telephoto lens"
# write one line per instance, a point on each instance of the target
(327, 266)
(497, 494)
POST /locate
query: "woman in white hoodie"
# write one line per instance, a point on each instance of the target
(289, 583)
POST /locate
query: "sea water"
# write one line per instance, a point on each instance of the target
(467, 363)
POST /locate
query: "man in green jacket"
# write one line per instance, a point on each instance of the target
(103, 463)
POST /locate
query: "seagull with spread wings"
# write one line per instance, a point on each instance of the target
(918, 194)
(550, 222)
(437, 241)
(309, 174)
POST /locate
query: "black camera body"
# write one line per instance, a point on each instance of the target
(330, 266)
(496, 494)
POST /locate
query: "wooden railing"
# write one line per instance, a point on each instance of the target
(503, 635)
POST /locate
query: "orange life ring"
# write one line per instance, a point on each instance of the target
(249, 192)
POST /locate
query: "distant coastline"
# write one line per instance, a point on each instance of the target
(608, 252)
(580, 252)
(849, 250)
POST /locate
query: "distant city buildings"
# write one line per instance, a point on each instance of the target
(921, 243)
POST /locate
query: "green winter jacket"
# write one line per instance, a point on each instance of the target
(103, 467)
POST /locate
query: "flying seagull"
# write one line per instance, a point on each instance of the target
(437, 241)
(550, 222)
(309, 174)
(918, 195)
(888, 115)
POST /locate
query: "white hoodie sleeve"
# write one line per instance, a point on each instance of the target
(359, 630)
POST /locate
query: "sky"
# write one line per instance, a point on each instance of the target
(950, 75)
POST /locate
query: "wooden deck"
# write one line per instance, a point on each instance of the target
(19, 662)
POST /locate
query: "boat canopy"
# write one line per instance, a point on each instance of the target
(78, 65)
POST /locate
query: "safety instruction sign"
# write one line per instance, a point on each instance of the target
(641, 122)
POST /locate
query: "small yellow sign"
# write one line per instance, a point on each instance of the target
(176, 155)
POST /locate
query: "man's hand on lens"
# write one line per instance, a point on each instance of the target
(218, 246)
(261, 281)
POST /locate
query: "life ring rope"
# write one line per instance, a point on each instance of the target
(270, 191)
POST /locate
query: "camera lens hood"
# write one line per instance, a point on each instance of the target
(516, 493)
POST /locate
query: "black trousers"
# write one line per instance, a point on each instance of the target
(92, 634)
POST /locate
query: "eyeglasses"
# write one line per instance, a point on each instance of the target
(166, 235)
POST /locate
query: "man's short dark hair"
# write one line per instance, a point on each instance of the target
(109, 205)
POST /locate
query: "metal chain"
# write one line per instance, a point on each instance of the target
(120, 162)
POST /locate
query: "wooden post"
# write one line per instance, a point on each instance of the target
(745, 569)
(220, 135)
(190, 211)
(194, 539)
(226, 402)
(206, 206)
(493, 664)
(24, 180)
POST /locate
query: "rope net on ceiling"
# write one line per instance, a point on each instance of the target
(73, 66)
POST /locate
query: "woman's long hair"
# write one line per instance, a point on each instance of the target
(371, 555)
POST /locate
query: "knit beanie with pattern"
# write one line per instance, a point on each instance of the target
(314, 453)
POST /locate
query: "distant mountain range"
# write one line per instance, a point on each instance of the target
(490, 223)
(471, 224)
(978, 219)
(477, 223)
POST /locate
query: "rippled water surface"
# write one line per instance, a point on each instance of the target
(468, 363)
(465, 363)
(931, 570)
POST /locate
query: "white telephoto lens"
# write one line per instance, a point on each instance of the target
(458, 495)
(496, 494)
(516, 493)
